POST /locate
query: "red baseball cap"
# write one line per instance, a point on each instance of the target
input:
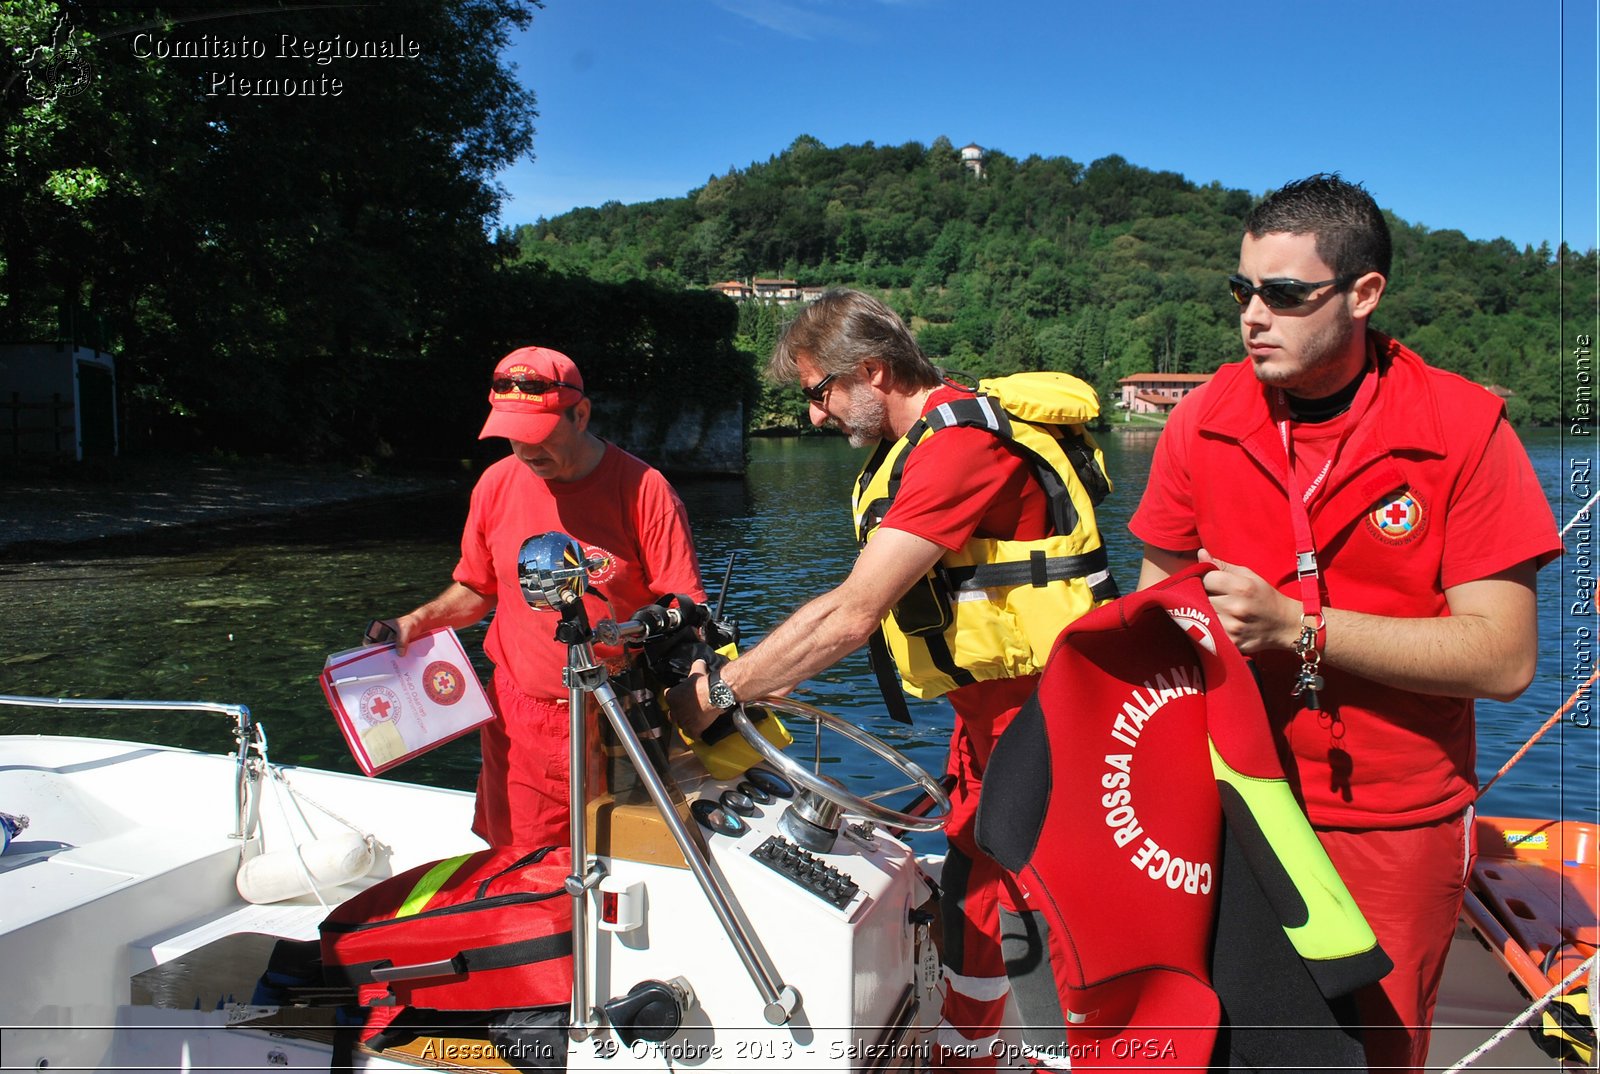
(538, 384)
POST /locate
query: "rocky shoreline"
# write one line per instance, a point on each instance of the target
(44, 511)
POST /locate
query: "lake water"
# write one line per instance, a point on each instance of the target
(249, 619)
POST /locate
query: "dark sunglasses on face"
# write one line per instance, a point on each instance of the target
(1283, 294)
(529, 385)
(818, 392)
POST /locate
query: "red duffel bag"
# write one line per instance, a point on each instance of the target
(476, 932)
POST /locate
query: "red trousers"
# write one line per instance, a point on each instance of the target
(975, 886)
(523, 784)
(1409, 883)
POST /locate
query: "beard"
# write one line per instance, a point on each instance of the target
(1315, 370)
(865, 421)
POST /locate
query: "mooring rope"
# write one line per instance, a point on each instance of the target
(1555, 718)
(1526, 1016)
(1582, 511)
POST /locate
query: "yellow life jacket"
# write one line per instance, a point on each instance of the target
(992, 608)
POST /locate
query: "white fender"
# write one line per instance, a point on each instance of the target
(282, 874)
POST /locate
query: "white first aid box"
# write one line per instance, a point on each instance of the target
(392, 708)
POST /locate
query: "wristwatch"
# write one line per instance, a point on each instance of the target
(719, 692)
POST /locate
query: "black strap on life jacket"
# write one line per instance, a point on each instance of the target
(524, 952)
(984, 412)
(1037, 570)
(894, 698)
(883, 669)
(872, 513)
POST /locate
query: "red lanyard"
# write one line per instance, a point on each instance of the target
(1308, 646)
(1305, 546)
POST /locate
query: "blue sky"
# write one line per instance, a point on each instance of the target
(1450, 111)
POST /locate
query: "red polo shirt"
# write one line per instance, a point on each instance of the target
(1429, 488)
(623, 510)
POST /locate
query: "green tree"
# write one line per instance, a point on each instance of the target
(295, 244)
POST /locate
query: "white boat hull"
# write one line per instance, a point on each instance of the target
(125, 944)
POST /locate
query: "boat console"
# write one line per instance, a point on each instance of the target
(771, 918)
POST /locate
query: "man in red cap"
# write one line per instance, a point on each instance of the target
(558, 477)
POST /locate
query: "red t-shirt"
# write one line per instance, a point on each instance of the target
(1429, 489)
(623, 509)
(960, 483)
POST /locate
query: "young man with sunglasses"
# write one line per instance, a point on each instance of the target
(1378, 527)
(960, 488)
(559, 476)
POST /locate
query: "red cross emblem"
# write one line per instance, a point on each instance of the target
(1398, 518)
(380, 705)
(442, 682)
(1199, 632)
(607, 570)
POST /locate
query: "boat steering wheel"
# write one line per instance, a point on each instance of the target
(831, 791)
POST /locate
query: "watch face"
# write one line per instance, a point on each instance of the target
(722, 695)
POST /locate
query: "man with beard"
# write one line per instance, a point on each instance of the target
(1378, 527)
(934, 493)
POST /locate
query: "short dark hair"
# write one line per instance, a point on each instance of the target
(842, 329)
(1352, 235)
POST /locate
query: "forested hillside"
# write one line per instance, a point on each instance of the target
(1099, 270)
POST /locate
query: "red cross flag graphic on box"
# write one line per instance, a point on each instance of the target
(392, 707)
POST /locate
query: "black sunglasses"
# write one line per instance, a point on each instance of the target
(1283, 294)
(529, 386)
(818, 392)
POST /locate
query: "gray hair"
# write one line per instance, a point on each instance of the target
(842, 329)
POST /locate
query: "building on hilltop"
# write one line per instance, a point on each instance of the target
(1157, 393)
(972, 158)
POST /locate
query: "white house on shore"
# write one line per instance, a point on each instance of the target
(783, 292)
(1157, 393)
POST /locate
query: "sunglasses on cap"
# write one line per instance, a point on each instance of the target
(529, 385)
(1283, 294)
(818, 392)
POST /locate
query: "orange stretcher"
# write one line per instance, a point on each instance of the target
(1533, 897)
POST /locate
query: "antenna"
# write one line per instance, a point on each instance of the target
(727, 575)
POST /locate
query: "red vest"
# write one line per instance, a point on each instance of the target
(1420, 499)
